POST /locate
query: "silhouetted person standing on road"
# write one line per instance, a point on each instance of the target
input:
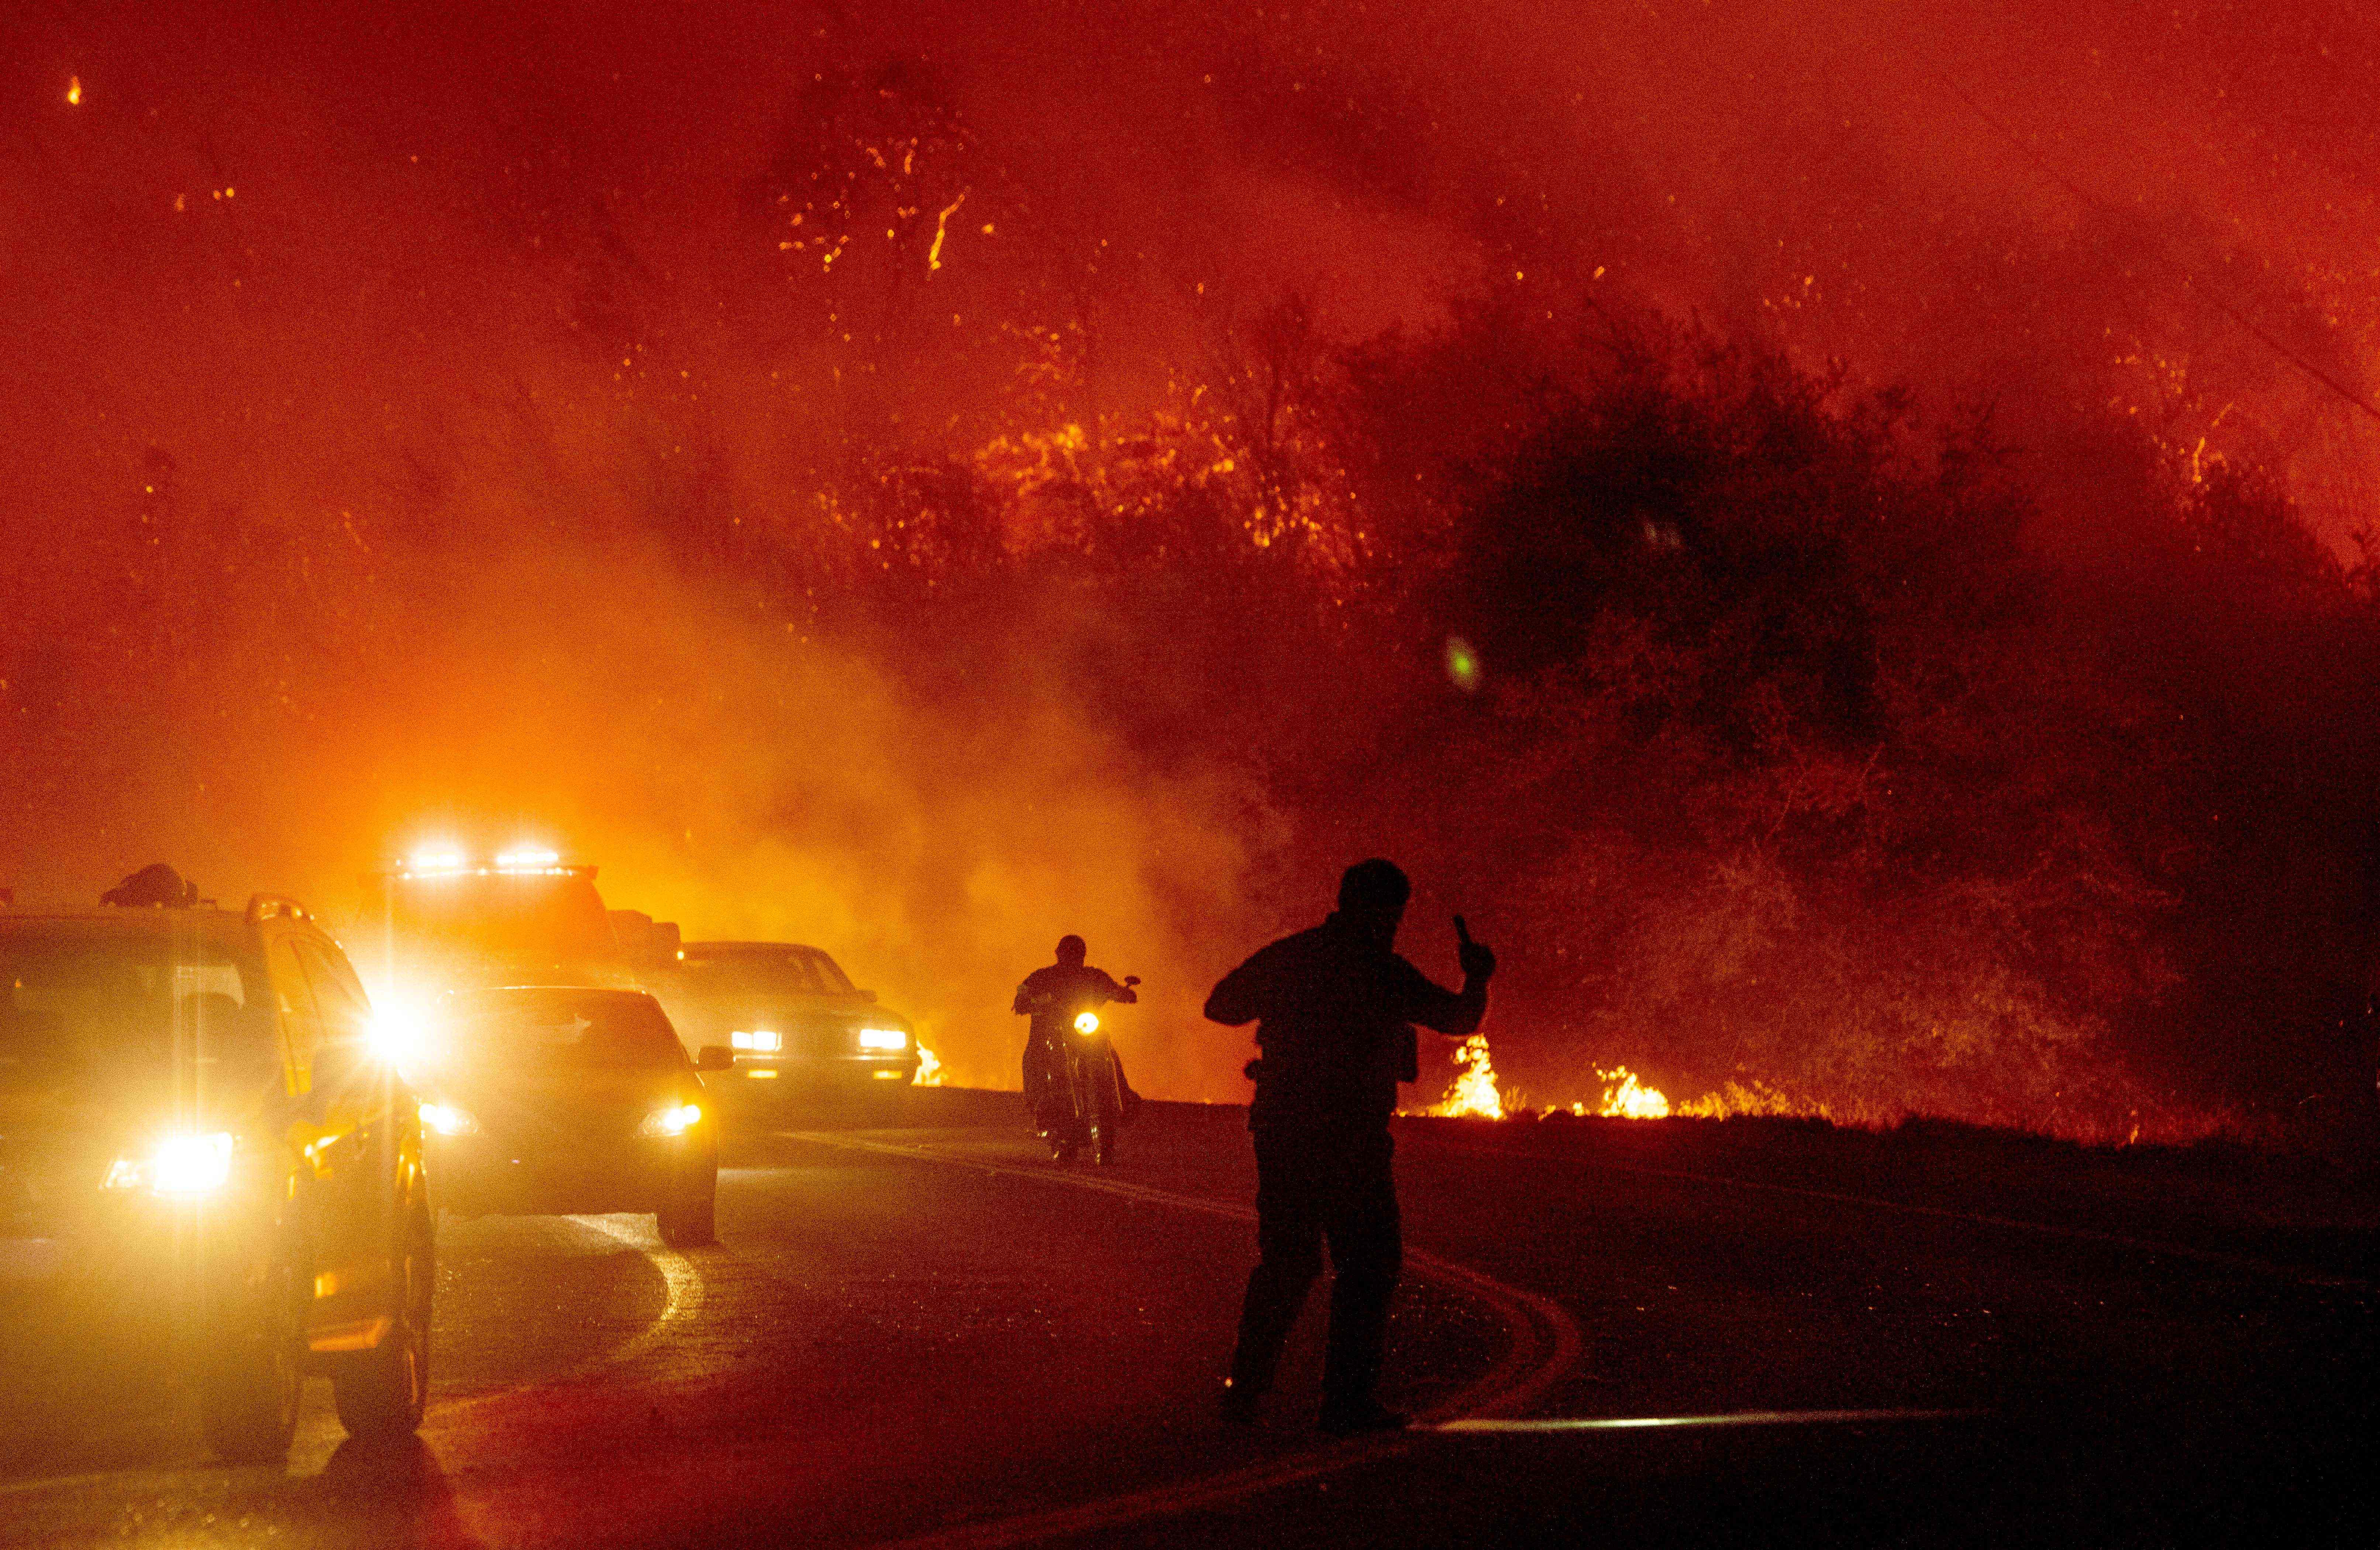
(1335, 1008)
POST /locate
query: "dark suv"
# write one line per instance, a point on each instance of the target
(195, 1136)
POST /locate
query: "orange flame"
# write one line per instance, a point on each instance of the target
(1473, 1094)
(1624, 1097)
(929, 1069)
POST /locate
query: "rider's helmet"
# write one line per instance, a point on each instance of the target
(1071, 950)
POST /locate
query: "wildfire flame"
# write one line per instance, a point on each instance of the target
(1624, 1097)
(929, 1069)
(1474, 1092)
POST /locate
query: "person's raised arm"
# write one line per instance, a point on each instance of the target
(1454, 1012)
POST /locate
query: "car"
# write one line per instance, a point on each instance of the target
(558, 1099)
(197, 1135)
(788, 1015)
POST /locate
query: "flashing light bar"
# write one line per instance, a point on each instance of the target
(521, 861)
(760, 1041)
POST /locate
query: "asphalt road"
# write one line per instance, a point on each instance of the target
(918, 1330)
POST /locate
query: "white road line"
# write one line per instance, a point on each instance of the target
(683, 1278)
(1731, 1418)
(1545, 1344)
(683, 1295)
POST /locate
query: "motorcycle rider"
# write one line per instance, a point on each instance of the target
(1053, 995)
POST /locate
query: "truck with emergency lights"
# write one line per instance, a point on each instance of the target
(444, 920)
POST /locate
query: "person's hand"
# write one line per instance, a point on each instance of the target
(1477, 961)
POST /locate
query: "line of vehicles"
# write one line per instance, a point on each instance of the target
(212, 1134)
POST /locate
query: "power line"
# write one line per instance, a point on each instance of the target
(2043, 165)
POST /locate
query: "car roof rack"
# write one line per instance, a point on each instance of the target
(274, 906)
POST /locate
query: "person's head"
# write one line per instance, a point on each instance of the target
(1070, 951)
(1372, 897)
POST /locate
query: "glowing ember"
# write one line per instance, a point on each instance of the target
(74, 91)
(1474, 1092)
(941, 229)
(929, 1069)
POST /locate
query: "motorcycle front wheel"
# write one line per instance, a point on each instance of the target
(1102, 1101)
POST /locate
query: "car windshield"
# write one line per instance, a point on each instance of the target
(793, 971)
(84, 996)
(543, 915)
(607, 1030)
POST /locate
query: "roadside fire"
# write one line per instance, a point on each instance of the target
(929, 1069)
(1473, 1094)
(1624, 1097)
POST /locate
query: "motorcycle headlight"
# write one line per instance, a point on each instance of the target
(448, 1118)
(177, 1165)
(883, 1039)
(676, 1119)
(1088, 1023)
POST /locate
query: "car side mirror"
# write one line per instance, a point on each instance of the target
(714, 1056)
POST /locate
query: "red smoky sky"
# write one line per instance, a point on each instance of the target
(348, 350)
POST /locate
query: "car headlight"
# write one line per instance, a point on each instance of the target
(177, 1165)
(676, 1119)
(760, 1041)
(448, 1118)
(883, 1039)
(1088, 1023)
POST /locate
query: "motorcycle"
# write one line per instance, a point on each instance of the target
(1090, 1099)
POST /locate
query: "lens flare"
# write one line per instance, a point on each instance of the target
(1462, 664)
(400, 1031)
(448, 1118)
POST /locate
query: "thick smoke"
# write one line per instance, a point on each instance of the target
(424, 423)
